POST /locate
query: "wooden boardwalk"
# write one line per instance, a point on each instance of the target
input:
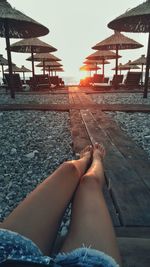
(127, 172)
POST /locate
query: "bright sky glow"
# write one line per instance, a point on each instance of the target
(75, 26)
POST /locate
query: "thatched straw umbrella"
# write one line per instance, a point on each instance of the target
(32, 45)
(50, 65)
(103, 55)
(14, 24)
(14, 69)
(117, 42)
(121, 67)
(3, 62)
(140, 61)
(24, 70)
(97, 62)
(55, 69)
(136, 20)
(44, 57)
(131, 66)
(89, 68)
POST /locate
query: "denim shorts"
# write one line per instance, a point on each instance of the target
(16, 247)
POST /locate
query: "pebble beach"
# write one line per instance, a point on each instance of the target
(34, 143)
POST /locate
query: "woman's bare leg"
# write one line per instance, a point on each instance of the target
(91, 223)
(39, 215)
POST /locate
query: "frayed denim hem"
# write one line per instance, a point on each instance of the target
(85, 257)
(16, 247)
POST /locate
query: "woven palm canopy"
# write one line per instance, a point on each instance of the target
(24, 69)
(117, 42)
(3, 62)
(98, 62)
(32, 45)
(20, 25)
(121, 67)
(89, 67)
(14, 24)
(102, 55)
(140, 61)
(55, 69)
(136, 20)
(44, 57)
(130, 66)
(49, 64)
(14, 69)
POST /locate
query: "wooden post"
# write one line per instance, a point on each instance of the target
(12, 89)
(32, 59)
(43, 67)
(2, 70)
(147, 69)
(116, 83)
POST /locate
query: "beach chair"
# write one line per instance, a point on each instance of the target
(98, 78)
(133, 80)
(117, 79)
(16, 81)
(40, 82)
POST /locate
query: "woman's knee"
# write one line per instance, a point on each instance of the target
(71, 168)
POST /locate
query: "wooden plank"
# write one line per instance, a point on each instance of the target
(135, 252)
(79, 134)
(113, 213)
(136, 156)
(141, 232)
(130, 194)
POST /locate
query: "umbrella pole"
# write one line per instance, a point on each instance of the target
(142, 74)
(103, 69)
(147, 69)
(12, 91)
(24, 77)
(32, 59)
(43, 67)
(2, 70)
(116, 83)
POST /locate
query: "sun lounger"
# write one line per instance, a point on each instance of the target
(16, 81)
(117, 80)
(40, 82)
(133, 80)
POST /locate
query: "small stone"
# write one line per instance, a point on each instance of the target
(147, 137)
(13, 151)
(64, 231)
(32, 154)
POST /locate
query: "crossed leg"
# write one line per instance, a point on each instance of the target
(91, 223)
(39, 215)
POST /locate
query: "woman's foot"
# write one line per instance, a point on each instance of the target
(98, 152)
(96, 171)
(84, 161)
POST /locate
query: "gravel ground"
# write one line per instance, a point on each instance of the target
(32, 145)
(136, 125)
(121, 98)
(34, 99)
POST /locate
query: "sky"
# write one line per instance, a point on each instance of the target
(75, 26)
